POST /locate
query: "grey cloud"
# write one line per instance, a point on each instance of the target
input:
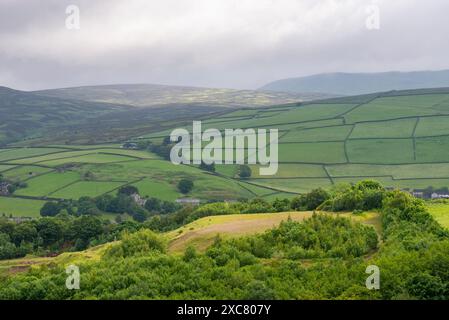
(221, 43)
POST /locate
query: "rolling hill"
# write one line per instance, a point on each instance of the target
(108, 113)
(199, 234)
(112, 113)
(399, 138)
(152, 95)
(361, 83)
(25, 114)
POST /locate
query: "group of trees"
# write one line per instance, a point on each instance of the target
(412, 259)
(121, 203)
(323, 257)
(51, 235)
(320, 236)
(363, 196)
(163, 149)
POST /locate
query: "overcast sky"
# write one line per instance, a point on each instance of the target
(214, 43)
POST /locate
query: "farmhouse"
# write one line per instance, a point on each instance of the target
(194, 202)
(138, 199)
(418, 194)
(436, 195)
(19, 219)
(130, 145)
(4, 188)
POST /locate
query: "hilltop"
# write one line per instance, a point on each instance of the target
(361, 83)
(154, 95)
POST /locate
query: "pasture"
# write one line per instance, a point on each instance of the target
(18, 207)
(440, 211)
(400, 139)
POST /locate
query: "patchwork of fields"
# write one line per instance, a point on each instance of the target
(399, 138)
(71, 172)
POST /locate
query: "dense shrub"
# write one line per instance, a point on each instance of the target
(310, 201)
(185, 185)
(325, 257)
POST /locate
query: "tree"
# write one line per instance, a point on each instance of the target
(425, 286)
(24, 231)
(185, 185)
(257, 290)
(87, 206)
(207, 167)
(169, 207)
(281, 205)
(86, 228)
(244, 171)
(7, 249)
(153, 205)
(128, 190)
(103, 202)
(310, 201)
(50, 209)
(50, 230)
(119, 204)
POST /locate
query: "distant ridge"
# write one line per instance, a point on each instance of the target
(361, 83)
(155, 95)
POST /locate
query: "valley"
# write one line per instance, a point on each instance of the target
(398, 138)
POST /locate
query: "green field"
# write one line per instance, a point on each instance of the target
(25, 172)
(400, 139)
(21, 153)
(157, 189)
(440, 211)
(45, 184)
(86, 188)
(19, 207)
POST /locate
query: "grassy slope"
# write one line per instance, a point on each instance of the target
(199, 233)
(400, 138)
(96, 171)
(388, 137)
(26, 114)
(440, 212)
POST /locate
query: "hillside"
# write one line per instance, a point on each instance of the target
(151, 95)
(399, 138)
(25, 114)
(200, 234)
(32, 119)
(361, 83)
(70, 172)
(318, 256)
